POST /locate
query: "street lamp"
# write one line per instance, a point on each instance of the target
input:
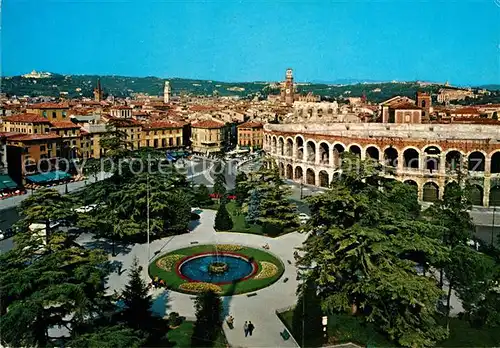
(324, 321)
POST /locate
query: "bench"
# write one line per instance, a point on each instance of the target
(194, 242)
(285, 280)
(285, 334)
(252, 294)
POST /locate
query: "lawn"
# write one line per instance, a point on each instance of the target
(239, 224)
(181, 337)
(346, 328)
(173, 281)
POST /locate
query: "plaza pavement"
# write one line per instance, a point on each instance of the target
(259, 309)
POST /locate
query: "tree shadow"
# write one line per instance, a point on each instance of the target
(226, 300)
(107, 245)
(193, 224)
(160, 304)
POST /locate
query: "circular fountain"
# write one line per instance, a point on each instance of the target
(216, 268)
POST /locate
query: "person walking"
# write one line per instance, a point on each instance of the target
(245, 327)
(250, 328)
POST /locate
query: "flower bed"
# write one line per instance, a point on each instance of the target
(268, 270)
(167, 262)
(200, 287)
(229, 247)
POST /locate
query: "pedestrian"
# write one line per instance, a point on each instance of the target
(250, 328)
(245, 327)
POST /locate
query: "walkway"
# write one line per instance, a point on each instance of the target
(259, 309)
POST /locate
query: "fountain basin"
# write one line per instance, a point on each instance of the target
(196, 268)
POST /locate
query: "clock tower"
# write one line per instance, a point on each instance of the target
(288, 89)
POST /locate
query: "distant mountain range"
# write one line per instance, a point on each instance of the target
(122, 86)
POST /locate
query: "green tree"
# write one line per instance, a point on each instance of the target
(306, 322)
(242, 188)
(253, 211)
(109, 337)
(208, 323)
(202, 195)
(223, 221)
(46, 206)
(137, 313)
(220, 179)
(364, 255)
(42, 289)
(114, 143)
(176, 214)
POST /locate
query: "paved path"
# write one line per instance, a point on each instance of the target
(259, 309)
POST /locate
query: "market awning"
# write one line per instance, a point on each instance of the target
(6, 182)
(48, 177)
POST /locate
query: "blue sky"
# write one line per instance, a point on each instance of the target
(456, 41)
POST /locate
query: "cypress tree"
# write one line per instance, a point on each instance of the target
(223, 221)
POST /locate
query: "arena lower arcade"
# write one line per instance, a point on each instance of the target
(424, 155)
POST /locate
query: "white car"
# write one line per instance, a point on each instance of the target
(2, 236)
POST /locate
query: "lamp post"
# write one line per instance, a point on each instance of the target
(324, 321)
(493, 225)
(147, 215)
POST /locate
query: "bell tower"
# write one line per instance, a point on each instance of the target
(166, 92)
(98, 91)
(287, 88)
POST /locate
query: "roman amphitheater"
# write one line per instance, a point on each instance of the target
(424, 155)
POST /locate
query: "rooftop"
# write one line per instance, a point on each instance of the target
(48, 106)
(251, 124)
(207, 124)
(26, 118)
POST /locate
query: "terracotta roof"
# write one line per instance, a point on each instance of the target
(47, 106)
(405, 105)
(8, 134)
(27, 118)
(207, 124)
(28, 137)
(124, 122)
(64, 124)
(251, 124)
(202, 108)
(121, 107)
(163, 124)
(465, 111)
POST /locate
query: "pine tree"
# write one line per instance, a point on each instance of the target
(220, 179)
(253, 212)
(242, 188)
(138, 302)
(208, 323)
(202, 195)
(223, 221)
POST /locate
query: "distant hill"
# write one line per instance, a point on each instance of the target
(123, 86)
(491, 87)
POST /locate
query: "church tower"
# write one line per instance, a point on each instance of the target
(288, 89)
(166, 92)
(98, 91)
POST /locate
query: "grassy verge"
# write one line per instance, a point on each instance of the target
(173, 281)
(181, 337)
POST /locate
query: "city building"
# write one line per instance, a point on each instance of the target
(207, 136)
(50, 111)
(162, 134)
(287, 93)
(121, 111)
(250, 135)
(98, 93)
(423, 155)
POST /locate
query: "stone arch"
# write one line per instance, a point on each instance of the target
(432, 158)
(310, 177)
(430, 192)
(274, 145)
(289, 172)
(323, 178)
(476, 161)
(299, 173)
(454, 160)
(324, 152)
(299, 147)
(391, 157)
(373, 152)
(282, 169)
(495, 162)
(412, 183)
(311, 151)
(355, 149)
(495, 196)
(281, 146)
(411, 158)
(289, 147)
(339, 147)
(476, 195)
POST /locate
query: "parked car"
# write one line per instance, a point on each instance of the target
(303, 218)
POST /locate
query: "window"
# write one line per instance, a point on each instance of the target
(65, 132)
(54, 115)
(46, 130)
(74, 142)
(42, 147)
(44, 114)
(64, 114)
(36, 130)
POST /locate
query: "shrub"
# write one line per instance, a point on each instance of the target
(174, 319)
(200, 287)
(167, 262)
(268, 270)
